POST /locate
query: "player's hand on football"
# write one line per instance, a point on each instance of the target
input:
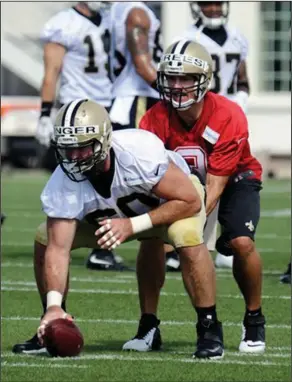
(113, 232)
(51, 314)
(45, 130)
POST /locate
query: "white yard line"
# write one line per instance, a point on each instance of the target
(135, 322)
(41, 366)
(125, 292)
(139, 358)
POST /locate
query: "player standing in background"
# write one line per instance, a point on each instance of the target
(212, 132)
(136, 50)
(121, 193)
(76, 52)
(228, 49)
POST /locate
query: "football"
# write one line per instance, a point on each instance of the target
(63, 338)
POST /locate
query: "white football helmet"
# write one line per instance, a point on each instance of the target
(82, 137)
(210, 22)
(96, 6)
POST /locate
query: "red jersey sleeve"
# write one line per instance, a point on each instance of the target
(155, 121)
(227, 151)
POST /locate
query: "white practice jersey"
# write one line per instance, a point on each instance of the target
(141, 160)
(85, 70)
(127, 81)
(226, 58)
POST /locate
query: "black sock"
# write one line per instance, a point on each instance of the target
(149, 319)
(209, 313)
(253, 313)
(63, 306)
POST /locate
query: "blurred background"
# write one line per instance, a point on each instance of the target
(266, 25)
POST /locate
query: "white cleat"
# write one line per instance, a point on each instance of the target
(253, 335)
(222, 261)
(151, 341)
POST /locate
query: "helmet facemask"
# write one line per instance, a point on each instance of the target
(76, 160)
(210, 22)
(182, 97)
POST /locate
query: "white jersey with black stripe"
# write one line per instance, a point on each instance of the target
(140, 162)
(127, 81)
(85, 70)
(226, 57)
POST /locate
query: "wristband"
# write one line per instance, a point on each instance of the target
(46, 109)
(54, 298)
(141, 223)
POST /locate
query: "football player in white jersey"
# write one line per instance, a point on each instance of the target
(228, 49)
(88, 200)
(137, 47)
(76, 52)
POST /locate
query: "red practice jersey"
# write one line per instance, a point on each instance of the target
(216, 144)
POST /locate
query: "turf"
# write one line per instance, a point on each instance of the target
(105, 305)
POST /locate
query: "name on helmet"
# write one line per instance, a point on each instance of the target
(75, 130)
(185, 59)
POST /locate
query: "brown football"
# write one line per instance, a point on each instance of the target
(63, 338)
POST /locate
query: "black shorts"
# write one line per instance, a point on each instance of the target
(239, 209)
(138, 109)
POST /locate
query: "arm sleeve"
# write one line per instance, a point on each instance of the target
(150, 161)
(62, 198)
(59, 29)
(227, 151)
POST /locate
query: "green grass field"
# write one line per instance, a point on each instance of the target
(105, 305)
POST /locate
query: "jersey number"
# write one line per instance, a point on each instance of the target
(195, 157)
(229, 57)
(123, 204)
(91, 66)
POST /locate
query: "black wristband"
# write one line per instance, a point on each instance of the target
(46, 109)
(154, 85)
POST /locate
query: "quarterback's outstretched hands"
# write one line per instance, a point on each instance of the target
(113, 232)
(51, 314)
(45, 130)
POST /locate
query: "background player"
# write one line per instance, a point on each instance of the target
(76, 52)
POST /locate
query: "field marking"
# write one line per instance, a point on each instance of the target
(128, 292)
(10, 264)
(125, 292)
(113, 357)
(131, 322)
(41, 365)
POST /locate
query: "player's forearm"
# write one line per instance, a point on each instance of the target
(48, 89)
(214, 188)
(56, 269)
(174, 210)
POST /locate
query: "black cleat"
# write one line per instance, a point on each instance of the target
(31, 346)
(253, 335)
(172, 262)
(210, 340)
(285, 278)
(148, 336)
(103, 260)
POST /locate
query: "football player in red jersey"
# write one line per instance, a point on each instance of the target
(211, 133)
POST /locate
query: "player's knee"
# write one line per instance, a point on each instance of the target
(186, 233)
(242, 245)
(41, 234)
